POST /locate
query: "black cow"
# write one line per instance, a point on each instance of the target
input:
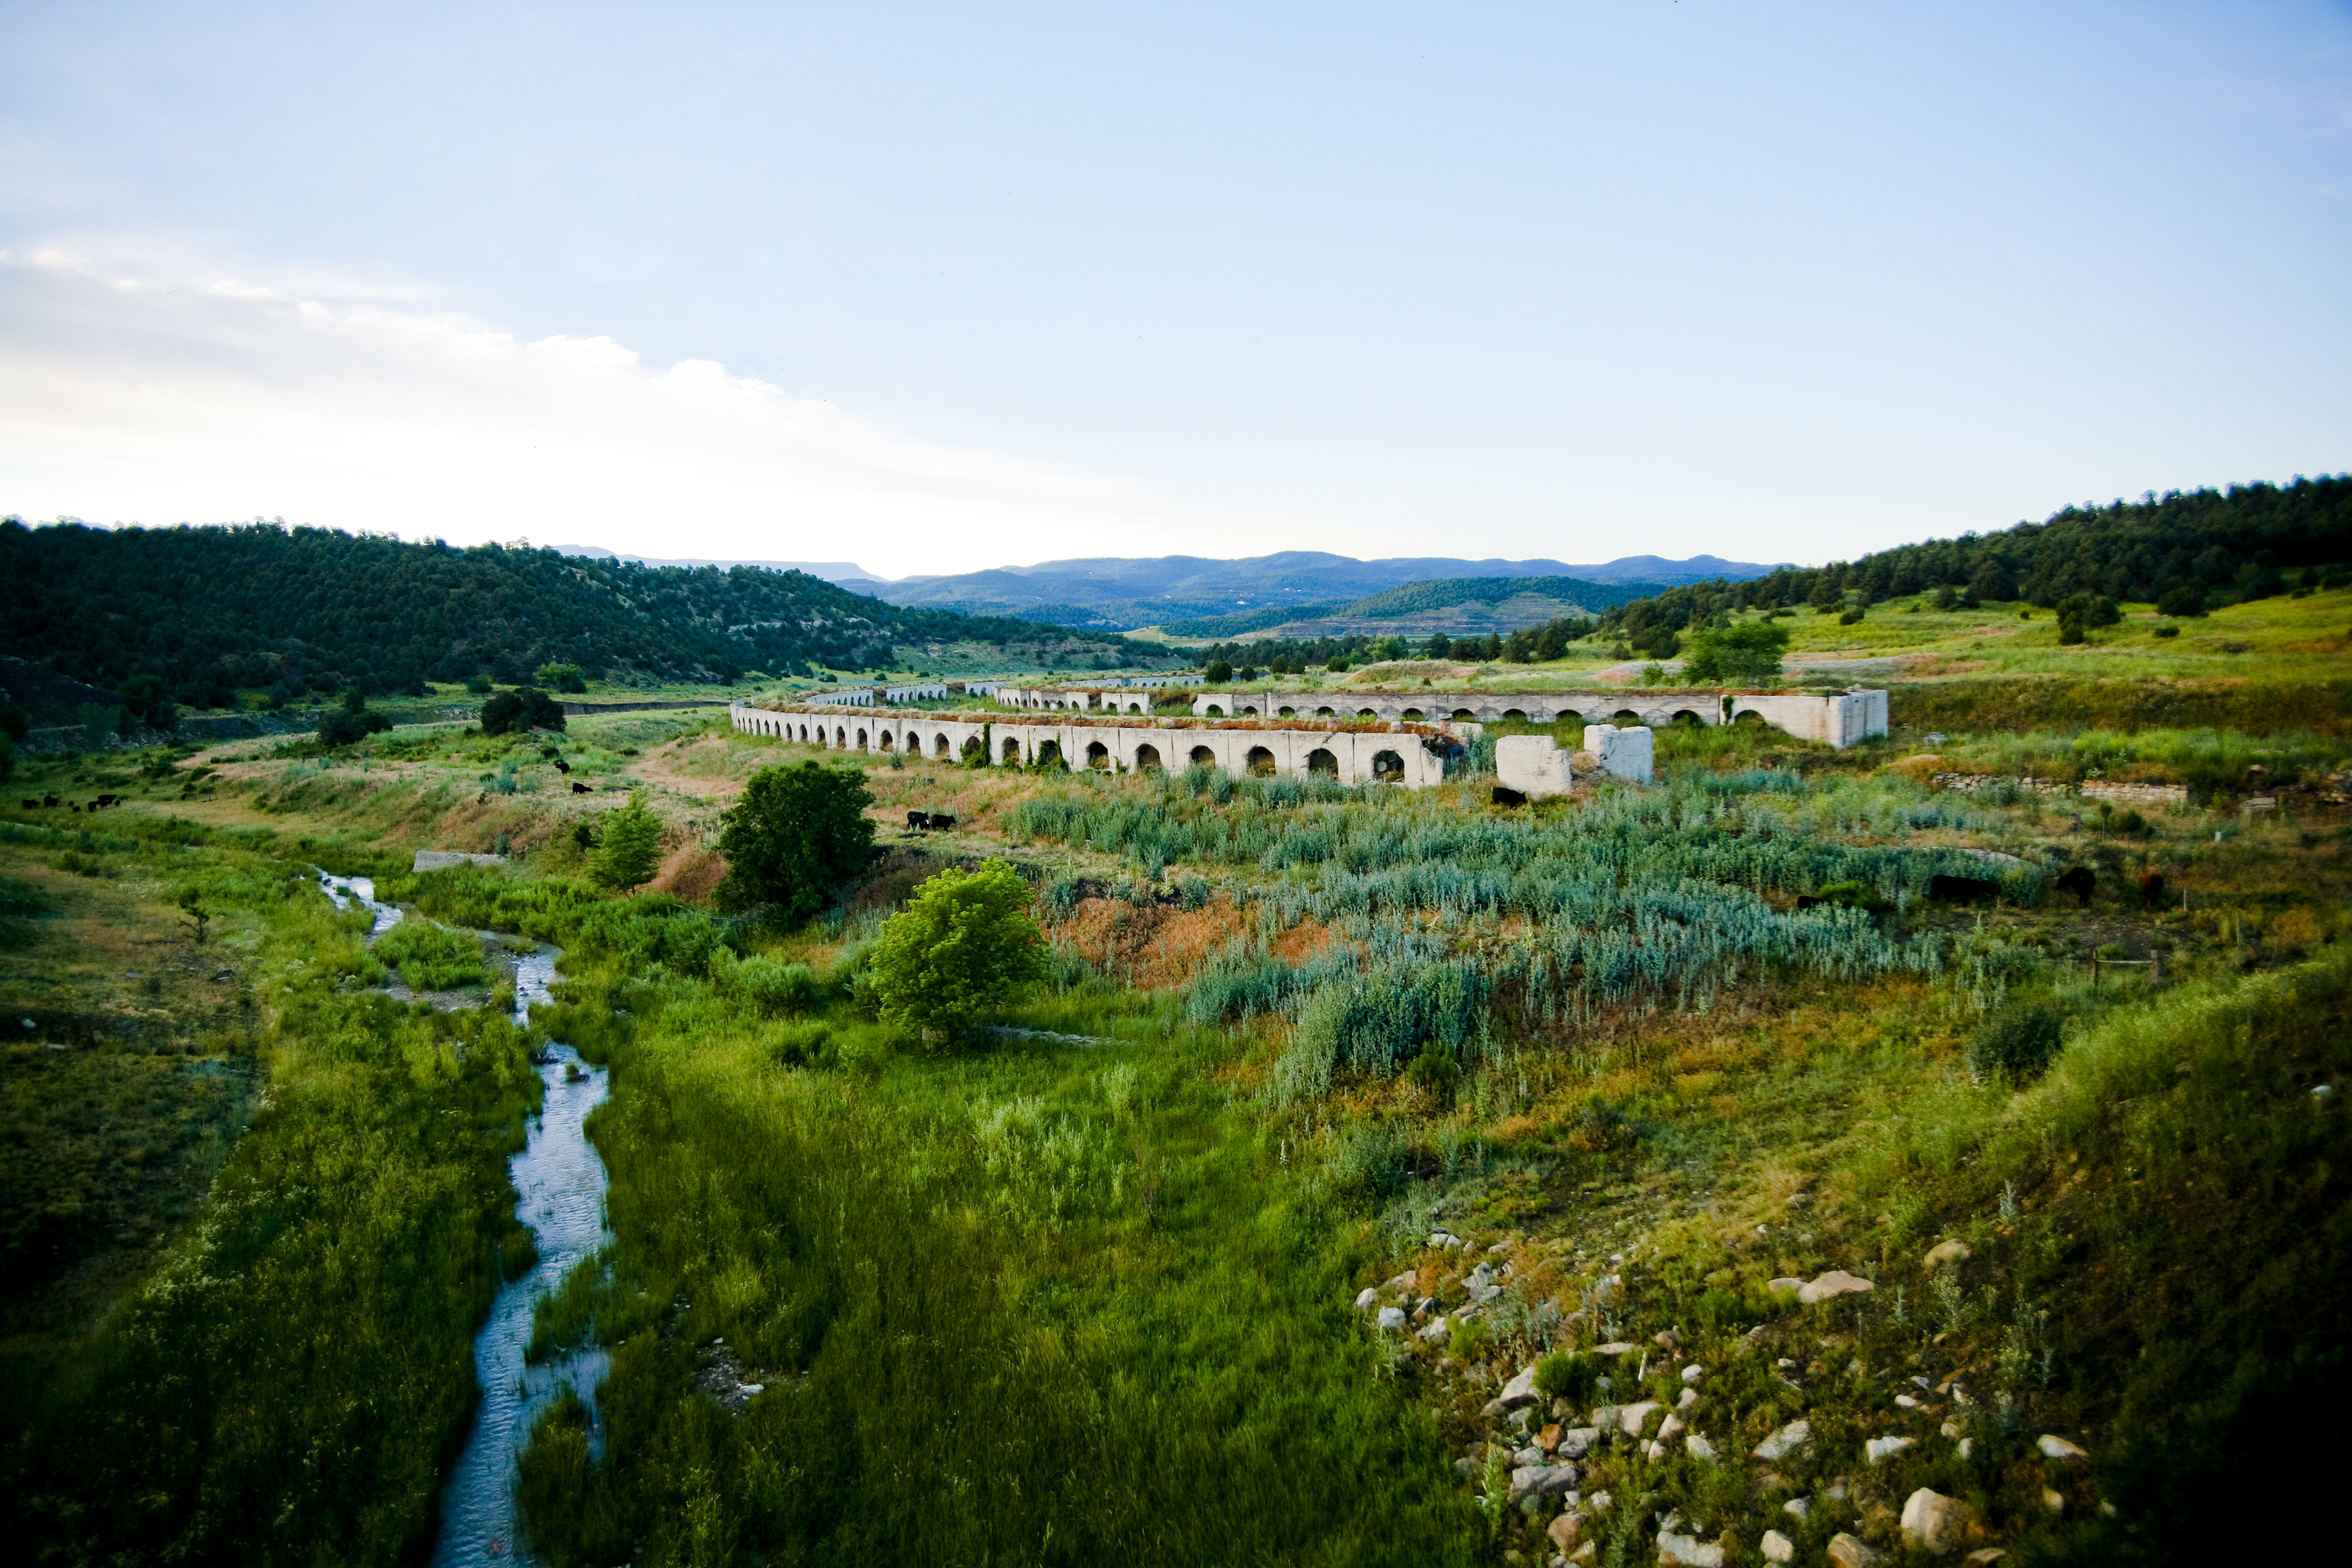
(941, 824)
(1506, 795)
(1962, 890)
(561, 766)
(2081, 882)
(48, 800)
(918, 819)
(110, 800)
(578, 788)
(2151, 887)
(30, 804)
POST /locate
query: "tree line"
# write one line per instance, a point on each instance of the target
(204, 612)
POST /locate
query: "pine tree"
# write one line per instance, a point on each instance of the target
(630, 851)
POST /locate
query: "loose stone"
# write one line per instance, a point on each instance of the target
(1366, 1297)
(1850, 1552)
(1837, 1283)
(1392, 1318)
(1937, 1524)
(1945, 1252)
(1778, 1548)
(1878, 1450)
(2059, 1449)
(1792, 1439)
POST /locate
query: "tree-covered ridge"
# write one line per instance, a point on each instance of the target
(2192, 550)
(262, 604)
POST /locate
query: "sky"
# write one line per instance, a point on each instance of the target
(938, 288)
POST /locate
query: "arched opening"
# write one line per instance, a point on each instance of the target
(1321, 761)
(1097, 755)
(1147, 760)
(1249, 713)
(1518, 713)
(1464, 713)
(1365, 713)
(862, 742)
(1216, 712)
(1327, 713)
(975, 747)
(1749, 717)
(884, 741)
(1203, 757)
(1013, 749)
(1260, 762)
(1388, 768)
(1625, 716)
(803, 731)
(1285, 712)
(1412, 715)
(1687, 719)
(940, 750)
(1049, 754)
(1135, 707)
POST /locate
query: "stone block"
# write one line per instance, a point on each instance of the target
(1535, 765)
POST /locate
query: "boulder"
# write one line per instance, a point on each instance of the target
(1614, 1347)
(1520, 1390)
(1404, 1281)
(1392, 1318)
(1687, 1550)
(1793, 1439)
(1798, 1506)
(1670, 1429)
(1688, 1400)
(1777, 1547)
(1699, 1448)
(1850, 1552)
(1631, 1418)
(1575, 1440)
(1692, 1372)
(1365, 1298)
(1837, 1283)
(1437, 1329)
(1945, 1252)
(1937, 1524)
(1878, 1450)
(1783, 1285)
(1564, 1531)
(1541, 1480)
(2059, 1449)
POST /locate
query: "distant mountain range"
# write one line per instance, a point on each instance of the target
(1114, 593)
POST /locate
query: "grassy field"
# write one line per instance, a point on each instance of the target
(1062, 1302)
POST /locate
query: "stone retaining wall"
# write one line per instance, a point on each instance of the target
(1839, 718)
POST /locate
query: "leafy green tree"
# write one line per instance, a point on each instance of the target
(628, 852)
(148, 701)
(1438, 647)
(963, 944)
(525, 708)
(2080, 614)
(1218, 672)
(352, 721)
(563, 676)
(1745, 655)
(797, 836)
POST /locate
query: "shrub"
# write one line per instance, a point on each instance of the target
(808, 1043)
(963, 944)
(2017, 1044)
(1436, 1070)
(563, 676)
(771, 986)
(797, 836)
(1218, 672)
(432, 957)
(628, 850)
(1565, 1374)
(2168, 631)
(2183, 601)
(1852, 617)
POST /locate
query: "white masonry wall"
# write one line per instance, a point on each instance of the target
(1533, 764)
(1627, 754)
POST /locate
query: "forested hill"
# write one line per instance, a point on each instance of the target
(309, 609)
(2196, 549)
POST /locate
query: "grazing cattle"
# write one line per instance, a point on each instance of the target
(2151, 887)
(1806, 900)
(30, 804)
(48, 800)
(1962, 890)
(941, 824)
(561, 766)
(578, 788)
(918, 819)
(1506, 795)
(2081, 882)
(110, 800)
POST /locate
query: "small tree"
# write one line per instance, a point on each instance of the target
(147, 700)
(628, 852)
(563, 676)
(194, 914)
(1218, 672)
(963, 944)
(525, 708)
(1745, 655)
(796, 837)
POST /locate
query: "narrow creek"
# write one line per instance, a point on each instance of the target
(561, 1180)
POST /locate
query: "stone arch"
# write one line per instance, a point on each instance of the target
(1260, 762)
(1285, 712)
(1327, 713)
(1216, 710)
(1321, 761)
(1687, 718)
(1464, 713)
(862, 742)
(883, 740)
(1749, 716)
(1365, 713)
(1049, 753)
(1012, 748)
(1412, 716)
(1625, 716)
(940, 749)
(1249, 713)
(803, 731)
(1203, 757)
(1518, 713)
(1387, 768)
(1097, 755)
(1146, 759)
(973, 746)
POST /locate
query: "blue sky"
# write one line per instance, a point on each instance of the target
(936, 287)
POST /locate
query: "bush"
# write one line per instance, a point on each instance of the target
(525, 708)
(1218, 672)
(2018, 1043)
(1565, 1374)
(797, 836)
(628, 850)
(802, 1045)
(771, 986)
(432, 957)
(1746, 655)
(963, 944)
(1436, 1070)
(2168, 631)
(1852, 617)
(2182, 601)
(563, 676)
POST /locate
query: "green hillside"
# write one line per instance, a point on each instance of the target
(1537, 599)
(216, 609)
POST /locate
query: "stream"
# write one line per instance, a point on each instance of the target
(561, 1182)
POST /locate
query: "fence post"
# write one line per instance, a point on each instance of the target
(2095, 971)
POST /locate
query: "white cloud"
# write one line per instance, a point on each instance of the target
(142, 400)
